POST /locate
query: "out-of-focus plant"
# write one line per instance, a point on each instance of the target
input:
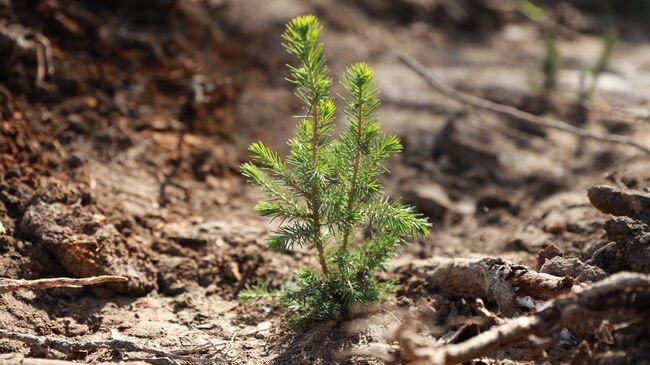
(530, 10)
(589, 78)
(550, 65)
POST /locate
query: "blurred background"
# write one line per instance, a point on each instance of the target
(135, 115)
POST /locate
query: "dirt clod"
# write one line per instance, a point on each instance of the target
(429, 199)
(86, 248)
(621, 202)
(628, 247)
(582, 272)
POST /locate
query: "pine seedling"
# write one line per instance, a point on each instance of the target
(327, 194)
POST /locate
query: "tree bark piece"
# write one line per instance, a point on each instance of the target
(622, 293)
(494, 279)
(540, 121)
(9, 285)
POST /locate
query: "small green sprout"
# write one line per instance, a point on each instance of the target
(531, 10)
(259, 292)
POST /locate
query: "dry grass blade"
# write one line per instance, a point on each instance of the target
(540, 121)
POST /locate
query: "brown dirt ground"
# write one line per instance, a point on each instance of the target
(92, 180)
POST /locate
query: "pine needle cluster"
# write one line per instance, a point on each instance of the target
(326, 193)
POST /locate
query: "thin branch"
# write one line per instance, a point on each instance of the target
(40, 46)
(16, 358)
(541, 121)
(70, 347)
(9, 285)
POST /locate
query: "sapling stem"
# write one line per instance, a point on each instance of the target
(355, 166)
(314, 193)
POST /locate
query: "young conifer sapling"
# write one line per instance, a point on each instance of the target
(326, 193)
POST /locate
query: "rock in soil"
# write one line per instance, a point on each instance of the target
(466, 147)
(430, 199)
(582, 272)
(85, 247)
(620, 202)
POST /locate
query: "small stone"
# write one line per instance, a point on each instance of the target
(547, 253)
(621, 202)
(466, 146)
(430, 199)
(562, 266)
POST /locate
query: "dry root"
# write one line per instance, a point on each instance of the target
(619, 297)
(29, 40)
(494, 279)
(70, 347)
(13, 359)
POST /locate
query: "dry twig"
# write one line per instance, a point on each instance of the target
(540, 121)
(70, 347)
(14, 358)
(622, 293)
(9, 285)
(31, 40)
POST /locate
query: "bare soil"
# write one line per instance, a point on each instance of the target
(111, 165)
